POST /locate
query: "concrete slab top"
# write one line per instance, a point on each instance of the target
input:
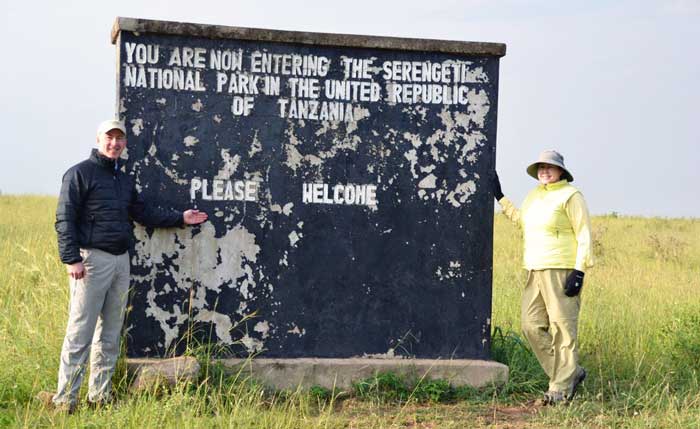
(307, 38)
(330, 373)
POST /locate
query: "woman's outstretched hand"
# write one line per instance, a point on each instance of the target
(497, 191)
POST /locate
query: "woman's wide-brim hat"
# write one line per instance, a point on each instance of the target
(550, 157)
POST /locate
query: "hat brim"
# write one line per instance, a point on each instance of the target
(106, 130)
(110, 125)
(532, 171)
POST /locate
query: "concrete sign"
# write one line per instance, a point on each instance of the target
(346, 180)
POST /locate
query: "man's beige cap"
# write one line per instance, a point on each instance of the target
(109, 125)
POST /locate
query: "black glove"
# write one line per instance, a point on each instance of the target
(497, 192)
(574, 283)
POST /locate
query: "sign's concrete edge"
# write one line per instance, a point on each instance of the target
(341, 373)
(138, 25)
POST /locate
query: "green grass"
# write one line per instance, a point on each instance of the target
(639, 339)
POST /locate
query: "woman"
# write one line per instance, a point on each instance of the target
(557, 251)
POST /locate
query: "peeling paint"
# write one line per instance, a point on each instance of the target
(255, 146)
(461, 193)
(263, 328)
(236, 271)
(165, 318)
(222, 324)
(253, 345)
(190, 141)
(293, 238)
(411, 156)
(359, 114)
(296, 331)
(390, 354)
(428, 181)
(285, 210)
(237, 250)
(230, 165)
(452, 271)
(137, 126)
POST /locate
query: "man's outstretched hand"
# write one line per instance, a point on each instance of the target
(193, 217)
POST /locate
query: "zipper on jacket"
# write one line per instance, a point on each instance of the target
(92, 226)
(117, 186)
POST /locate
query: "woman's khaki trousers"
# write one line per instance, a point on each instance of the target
(549, 321)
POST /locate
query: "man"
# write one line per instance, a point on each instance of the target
(93, 222)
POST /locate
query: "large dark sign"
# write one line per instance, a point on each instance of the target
(346, 180)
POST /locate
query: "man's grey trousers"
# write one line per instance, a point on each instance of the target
(97, 304)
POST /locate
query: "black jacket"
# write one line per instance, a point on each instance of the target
(95, 208)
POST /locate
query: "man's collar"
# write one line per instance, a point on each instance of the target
(102, 160)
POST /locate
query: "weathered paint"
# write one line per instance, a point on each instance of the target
(353, 224)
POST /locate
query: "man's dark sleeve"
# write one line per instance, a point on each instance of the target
(150, 215)
(67, 214)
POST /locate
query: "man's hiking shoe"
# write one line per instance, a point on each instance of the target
(46, 399)
(579, 379)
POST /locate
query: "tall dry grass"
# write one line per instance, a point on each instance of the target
(639, 336)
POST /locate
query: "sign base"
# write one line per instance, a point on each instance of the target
(341, 373)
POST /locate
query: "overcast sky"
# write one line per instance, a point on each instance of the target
(612, 85)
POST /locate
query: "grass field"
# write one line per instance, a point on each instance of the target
(639, 338)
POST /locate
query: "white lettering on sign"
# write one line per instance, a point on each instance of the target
(316, 110)
(304, 87)
(141, 54)
(348, 194)
(271, 85)
(298, 83)
(411, 93)
(226, 60)
(189, 57)
(289, 64)
(224, 190)
(151, 77)
(242, 106)
(352, 90)
(237, 83)
(357, 68)
(427, 71)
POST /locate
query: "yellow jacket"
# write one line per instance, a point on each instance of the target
(556, 227)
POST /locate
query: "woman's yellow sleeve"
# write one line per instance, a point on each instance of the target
(510, 210)
(577, 211)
